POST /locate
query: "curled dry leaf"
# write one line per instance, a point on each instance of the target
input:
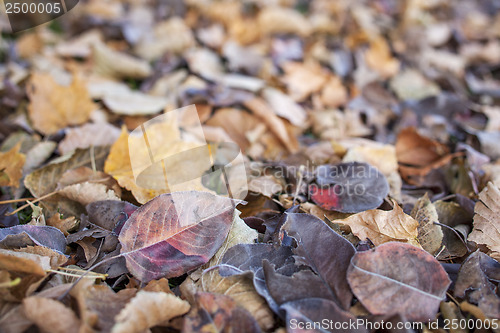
(34, 261)
(262, 110)
(380, 226)
(11, 166)
(379, 58)
(119, 65)
(87, 192)
(134, 103)
(175, 233)
(285, 107)
(303, 80)
(486, 229)
(273, 20)
(99, 305)
(148, 309)
(418, 155)
(50, 315)
(430, 235)
(398, 278)
(53, 107)
(83, 137)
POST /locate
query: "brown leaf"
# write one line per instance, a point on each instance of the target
(262, 110)
(99, 305)
(430, 235)
(381, 226)
(44, 180)
(303, 79)
(53, 106)
(11, 166)
(239, 288)
(416, 150)
(379, 58)
(148, 309)
(50, 315)
(398, 278)
(486, 229)
(25, 262)
(218, 313)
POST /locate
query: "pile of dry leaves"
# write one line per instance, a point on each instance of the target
(369, 131)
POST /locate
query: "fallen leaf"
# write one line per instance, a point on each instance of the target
(348, 187)
(486, 230)
(262, 110)
(83, 137)
(239, 288)
(134, 103)
(23, 235)
(148, 309)
(118, 65)
(272, 20)
(430, 235)
(331, 264)
(172, 35)
(50, 315)
(334, 93)
(476, 280)
(32, 261)
(398, 278)
(218, 313)
(303, 79)
(380, 226)
(53, 107)
(11, 166)
(285, 107)
(184, 230)
(44, 180)
(379, 58)
(64, 225)
(99, 305)
(88, 192)
(412, 85)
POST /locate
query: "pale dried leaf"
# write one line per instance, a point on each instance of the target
(383, 226)
(50, 315)
(148, 309)
(486, 229)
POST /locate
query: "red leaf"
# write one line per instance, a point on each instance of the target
(175, 233)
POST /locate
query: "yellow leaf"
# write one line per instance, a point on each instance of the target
(379, 58)
(11, 166)
(53, 106)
